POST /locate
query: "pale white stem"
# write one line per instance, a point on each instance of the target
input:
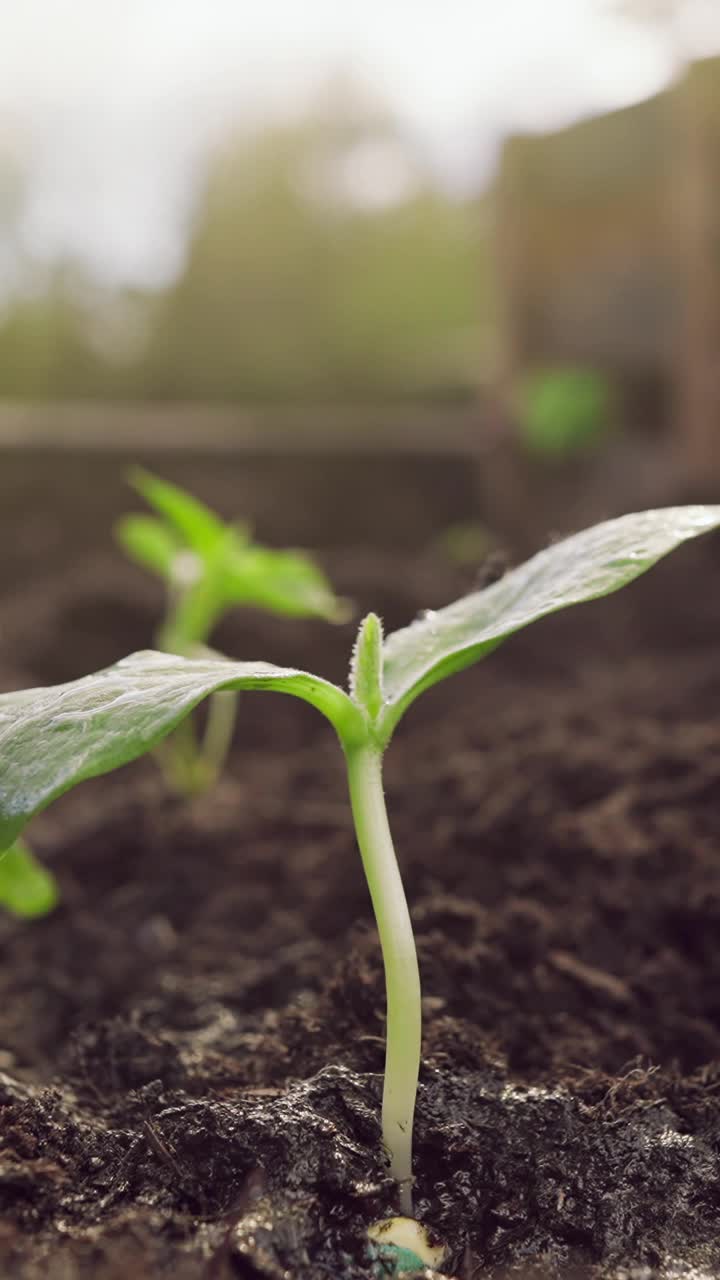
(219, 730)
(402, 978)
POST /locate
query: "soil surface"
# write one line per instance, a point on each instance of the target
(191, 1044)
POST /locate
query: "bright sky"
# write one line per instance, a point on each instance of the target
(115, 100)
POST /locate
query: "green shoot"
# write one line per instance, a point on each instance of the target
(563, 412)
(51, 739)
(209, 567)
(27, 889)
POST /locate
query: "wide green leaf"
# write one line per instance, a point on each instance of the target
(52, 738)
(593, 563)
(27, 889)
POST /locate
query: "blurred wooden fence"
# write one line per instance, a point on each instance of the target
(389, 476)
(609, 255)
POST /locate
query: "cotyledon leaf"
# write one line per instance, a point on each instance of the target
(593, 563)
(286, 582)
(52, 738)
(150, 542)
(196, 524)
(27, 889)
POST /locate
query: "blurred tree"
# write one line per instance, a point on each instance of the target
(323, 264)
(12, 191)
(673, 20)
(47, 344)
(653, 11)
(42, 347)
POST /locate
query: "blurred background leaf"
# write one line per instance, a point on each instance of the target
(269, 210)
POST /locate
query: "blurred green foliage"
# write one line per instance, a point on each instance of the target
(27, 888)
(468, 543)
(563, 411)
(294, 288)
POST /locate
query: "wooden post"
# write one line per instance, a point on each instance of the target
(696, 248)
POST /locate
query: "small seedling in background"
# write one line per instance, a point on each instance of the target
(209, 567)
(466, 544)
(50, 739)
(564, 412)
(27, 889)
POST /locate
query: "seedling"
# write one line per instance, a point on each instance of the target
(209, 567)
(52, 738)
(564, 412)
(27, 889)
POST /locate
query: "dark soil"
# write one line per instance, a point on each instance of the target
(191, 1045)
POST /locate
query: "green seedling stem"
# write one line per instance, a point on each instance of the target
(51, 739)
(397, 941)
(402, 976)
